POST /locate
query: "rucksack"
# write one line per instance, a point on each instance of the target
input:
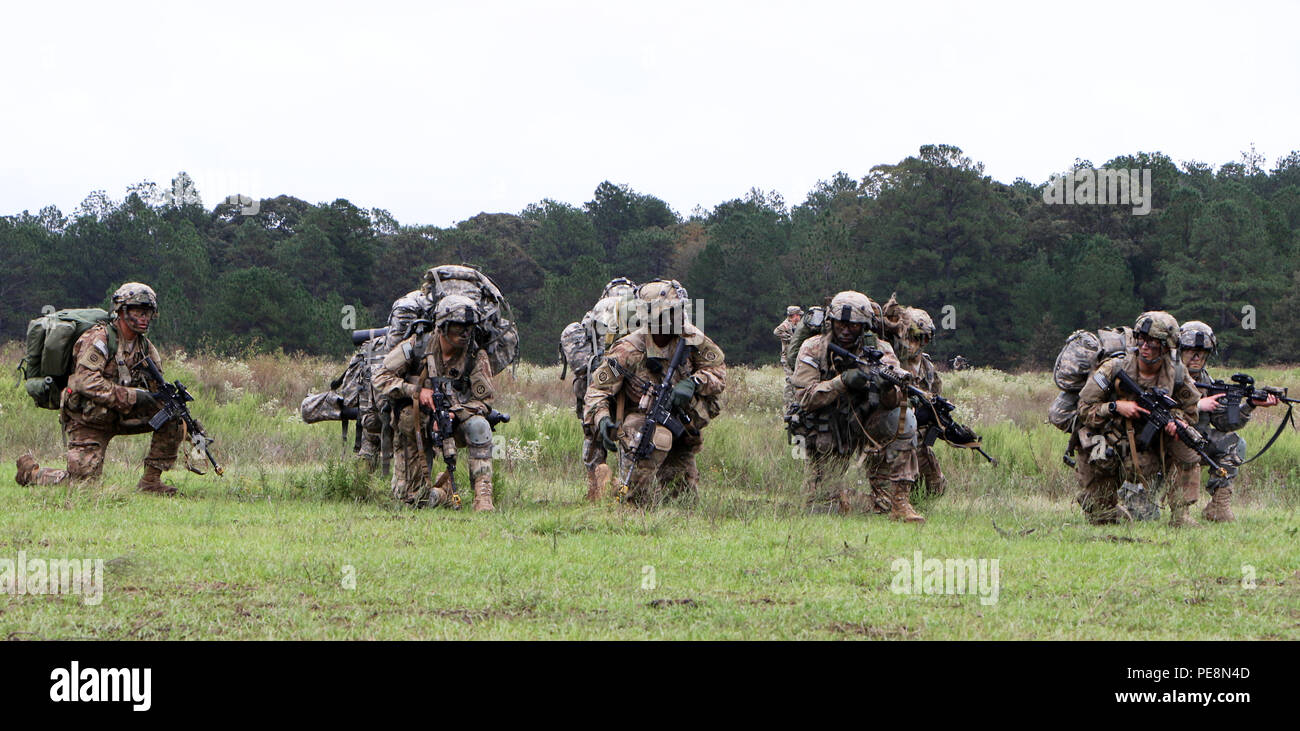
(496, 334)
(575, 350)
(47, 362)
(1079, 358)
(809, 325)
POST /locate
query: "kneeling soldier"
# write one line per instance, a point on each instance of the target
(107, 395)
(447, 361)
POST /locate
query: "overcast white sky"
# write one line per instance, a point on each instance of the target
(437, 111)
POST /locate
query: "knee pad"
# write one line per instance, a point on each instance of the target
(477, 432)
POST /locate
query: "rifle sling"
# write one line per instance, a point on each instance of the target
(1280, 426)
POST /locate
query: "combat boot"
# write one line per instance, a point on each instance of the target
(152, 483)
(901, 504)
(1180, 515)
(1220, 508)
(880, 500)
(483, 494)
(598, 482)
(27, 469)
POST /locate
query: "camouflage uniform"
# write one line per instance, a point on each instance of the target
(413, 365)
(375, 411)
(1227, 447)
(911, 329)
(100, 403)
(784, 332)
(838, 422)
(1104, 438)
(633, 366)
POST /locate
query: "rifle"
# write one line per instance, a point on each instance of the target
(1243, 390)
(938, 415)
(657, 402)
(437, 429)
(935, 418)
(1157, 403)
(171, 400)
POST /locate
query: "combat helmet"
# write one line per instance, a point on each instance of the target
(621, 287)
(663, 306)
(134, 293)
(1197, 335)
(793, 310)
(455, 308)
(850, 306)
(1160, 325)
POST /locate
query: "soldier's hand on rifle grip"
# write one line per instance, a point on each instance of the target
(856, 379)
(145, 399)
(1210, 403)
(1172, 427)
(1129, 409)
(683, 392)
(426, 399)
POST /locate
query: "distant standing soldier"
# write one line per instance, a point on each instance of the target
(959, 363)
(107, 396)
(1196, 342)
(846, 411)
(615, 405)
(407, 374)
(784, 332)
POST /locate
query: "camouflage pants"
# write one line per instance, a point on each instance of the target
(412, 480)
(1100, 480)
(788, 391)
(1229, 450)
(593, 447)
(890, 462)
(927, 463)
(89, 430)
(668, 472)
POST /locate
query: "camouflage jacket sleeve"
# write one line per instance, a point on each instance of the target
(481, 388)
(606, 381)
(1188, 396)
(89, 376)
(782, 331)
(1094, 399)
(810, 390)
(708, 368)
(389, 378)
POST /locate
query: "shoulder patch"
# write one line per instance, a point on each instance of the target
(101, 347)
(809, 361)
(1101, 380)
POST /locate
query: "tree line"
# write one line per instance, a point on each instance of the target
(1005, 274)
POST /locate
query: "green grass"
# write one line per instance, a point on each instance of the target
(265, 551)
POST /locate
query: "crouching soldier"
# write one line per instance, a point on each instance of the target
(617, 397)
(444, 360)
(1196, 343)
(846, 411)
(107, 396)
(1109, 417)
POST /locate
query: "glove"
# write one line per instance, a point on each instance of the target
(856, 379)
(145, 399)
(683, 392)
(608, 437)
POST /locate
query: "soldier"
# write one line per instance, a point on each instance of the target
(588, 341)
(784, 332)
(107, 395)
(912, 330)
(615, 406)
(959, 363)
(1108, 416)
(428, 359)
(1196, 342)
(375, 411)
(847, 411)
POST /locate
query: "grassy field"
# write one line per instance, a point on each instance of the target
(294, 542)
